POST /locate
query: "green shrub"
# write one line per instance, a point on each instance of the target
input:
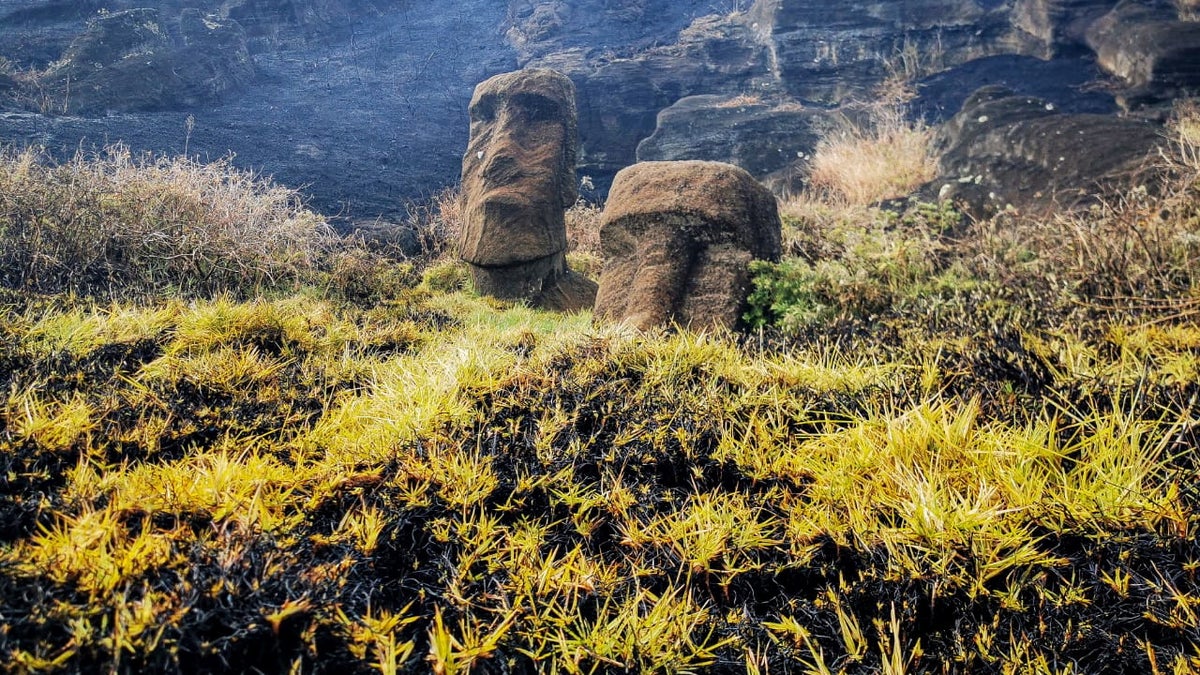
(852, 268)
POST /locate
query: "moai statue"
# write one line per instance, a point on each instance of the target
(678, 239)
(518, 178)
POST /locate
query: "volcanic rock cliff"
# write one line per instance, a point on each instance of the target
(364, 101)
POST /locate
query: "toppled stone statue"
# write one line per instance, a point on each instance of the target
(518, 177)
(678, 239)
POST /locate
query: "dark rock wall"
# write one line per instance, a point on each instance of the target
(364, 110)
(825, 51)
(363, 102)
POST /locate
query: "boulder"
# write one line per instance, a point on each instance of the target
(518, 178)
(212, 61)
(1056, 27)
(766, 139)
(1027, 153)
(119, 63)
(678, 239)
(1154, 54)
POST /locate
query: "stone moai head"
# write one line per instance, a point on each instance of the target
(678, 239)
(518, 173)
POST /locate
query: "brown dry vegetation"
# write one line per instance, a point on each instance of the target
(881, 158)
(118, 221)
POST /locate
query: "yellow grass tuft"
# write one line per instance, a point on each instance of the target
(885, 157)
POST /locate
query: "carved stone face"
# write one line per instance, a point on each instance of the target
(519, 170)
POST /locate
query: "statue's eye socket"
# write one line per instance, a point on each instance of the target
(536, 108)
(484, 110)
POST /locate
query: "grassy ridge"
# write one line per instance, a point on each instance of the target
(441, 482)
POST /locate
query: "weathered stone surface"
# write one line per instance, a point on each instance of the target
(34, 34)
(271, 23)
(1066, 82)
(764, 139)
(365, 113)
(212, 61)
(518, 179)
(1055, 27)
(678, 239)
(364, 101)
(1030, 155)
(828, 51)
(127, 61)
(1149, 49)
(817, 52)
(537, 28)
(620, 96)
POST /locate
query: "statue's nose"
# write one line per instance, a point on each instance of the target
(501, 162)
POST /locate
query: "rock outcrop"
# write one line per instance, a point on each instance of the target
(364, 101)
(518, 178)
(1068, 84)
(678, 239)
(539, 28)
(1055, 27)
(826, 52)
(127, 61)
(764, 139)
(1022, 151)
(620, 95)
(1155, 55)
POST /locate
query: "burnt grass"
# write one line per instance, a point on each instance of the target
(222, 612)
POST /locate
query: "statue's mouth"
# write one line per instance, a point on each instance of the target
(502, 206)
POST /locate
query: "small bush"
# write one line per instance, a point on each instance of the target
(883, 157)
(850, 268)
(1184, 127)
(583, 228)
(115, 224)
(360, 276)
(438, 222)
(587, 264)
